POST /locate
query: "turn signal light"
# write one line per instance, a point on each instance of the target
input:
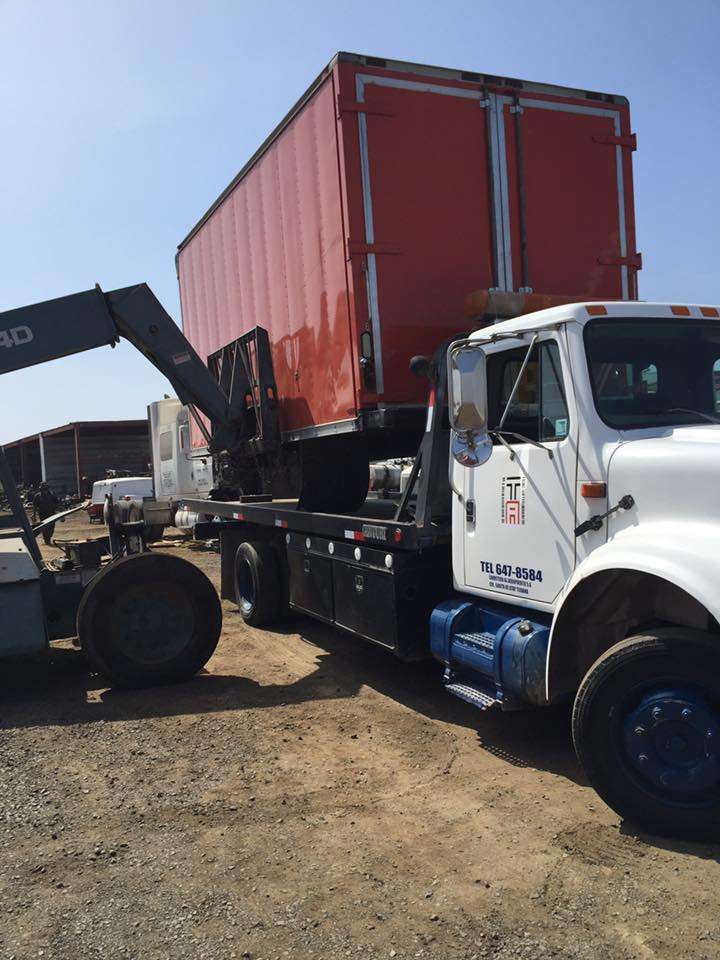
(593, 491)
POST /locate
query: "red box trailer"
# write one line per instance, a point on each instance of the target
(389, 193)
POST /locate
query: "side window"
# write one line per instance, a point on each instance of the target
(538, 410)
(166, 446)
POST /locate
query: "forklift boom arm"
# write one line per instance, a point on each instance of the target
(58, 328)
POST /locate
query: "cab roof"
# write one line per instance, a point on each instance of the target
(583, 312)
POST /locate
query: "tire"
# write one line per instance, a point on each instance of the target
(259, 591)
(134, 540)
(153, 532)
(335, 474)
(646, 728)
(149, 619)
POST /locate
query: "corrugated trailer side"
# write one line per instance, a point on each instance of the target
(272, 252)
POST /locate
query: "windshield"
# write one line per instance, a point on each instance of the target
(654, 372)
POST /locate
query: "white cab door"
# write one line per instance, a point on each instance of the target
(517, 525)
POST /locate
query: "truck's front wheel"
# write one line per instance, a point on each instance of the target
(646, 727)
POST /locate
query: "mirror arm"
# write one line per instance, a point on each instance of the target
(503, 441)
(521, 436)
(517, 382)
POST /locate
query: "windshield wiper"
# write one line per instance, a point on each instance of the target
(694, 413)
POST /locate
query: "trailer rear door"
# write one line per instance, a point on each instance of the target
(568, 217)
(427, 209)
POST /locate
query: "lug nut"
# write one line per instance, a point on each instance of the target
(657, 713)
(639, 731)
(686, 714)
(708, 734)
(642, 758)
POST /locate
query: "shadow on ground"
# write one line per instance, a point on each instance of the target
(57, 689)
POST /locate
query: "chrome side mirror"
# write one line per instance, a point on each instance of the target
(467, 403)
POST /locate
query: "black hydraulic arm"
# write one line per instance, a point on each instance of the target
(57, 328)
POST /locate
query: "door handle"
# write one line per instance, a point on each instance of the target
(470, 511)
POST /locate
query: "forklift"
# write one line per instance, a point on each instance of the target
(141, 618)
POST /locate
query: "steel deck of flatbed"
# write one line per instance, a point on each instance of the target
(375, 523)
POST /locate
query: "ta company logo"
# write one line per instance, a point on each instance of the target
(512, 500)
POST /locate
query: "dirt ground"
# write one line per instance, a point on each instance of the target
(309, 796)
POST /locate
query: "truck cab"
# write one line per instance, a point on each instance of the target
(586, 538)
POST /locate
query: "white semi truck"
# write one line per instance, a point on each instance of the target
(177, 470)
(568, 548)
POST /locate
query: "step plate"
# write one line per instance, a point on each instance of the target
(483, 641)
(479, 699)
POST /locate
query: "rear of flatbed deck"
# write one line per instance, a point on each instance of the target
(367, 573)
(374, 524)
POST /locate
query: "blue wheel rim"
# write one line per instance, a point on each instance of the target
(670, 739)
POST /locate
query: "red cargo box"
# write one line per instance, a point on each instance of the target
(389, 193)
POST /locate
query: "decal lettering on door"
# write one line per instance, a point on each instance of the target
(509, 577)
(512, 500)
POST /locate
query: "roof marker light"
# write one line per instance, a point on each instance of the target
(710, 311)
(597, 310)
(680, 311)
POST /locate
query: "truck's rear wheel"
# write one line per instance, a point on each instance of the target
(148, 619)
(646, 727)
(259, 591)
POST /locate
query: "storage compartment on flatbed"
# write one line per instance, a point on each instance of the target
(388, 194)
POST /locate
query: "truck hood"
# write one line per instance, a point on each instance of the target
(675, 476)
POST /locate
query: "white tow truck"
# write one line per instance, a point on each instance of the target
(568, 548)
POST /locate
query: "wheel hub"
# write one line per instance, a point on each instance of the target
(671, 739)
(155, 624)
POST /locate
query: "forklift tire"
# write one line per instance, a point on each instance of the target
(259, 591)
(646, 728)
(148, 619)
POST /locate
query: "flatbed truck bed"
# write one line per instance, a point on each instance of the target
(375, 523)
(369, 574)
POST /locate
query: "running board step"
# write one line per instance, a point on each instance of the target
(478, 698)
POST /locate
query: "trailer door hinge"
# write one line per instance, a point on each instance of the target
(360, 106)
(634, 261)
(630, 141)
(516, 108)
(355, 248)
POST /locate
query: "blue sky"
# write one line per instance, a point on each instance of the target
(123, 120)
